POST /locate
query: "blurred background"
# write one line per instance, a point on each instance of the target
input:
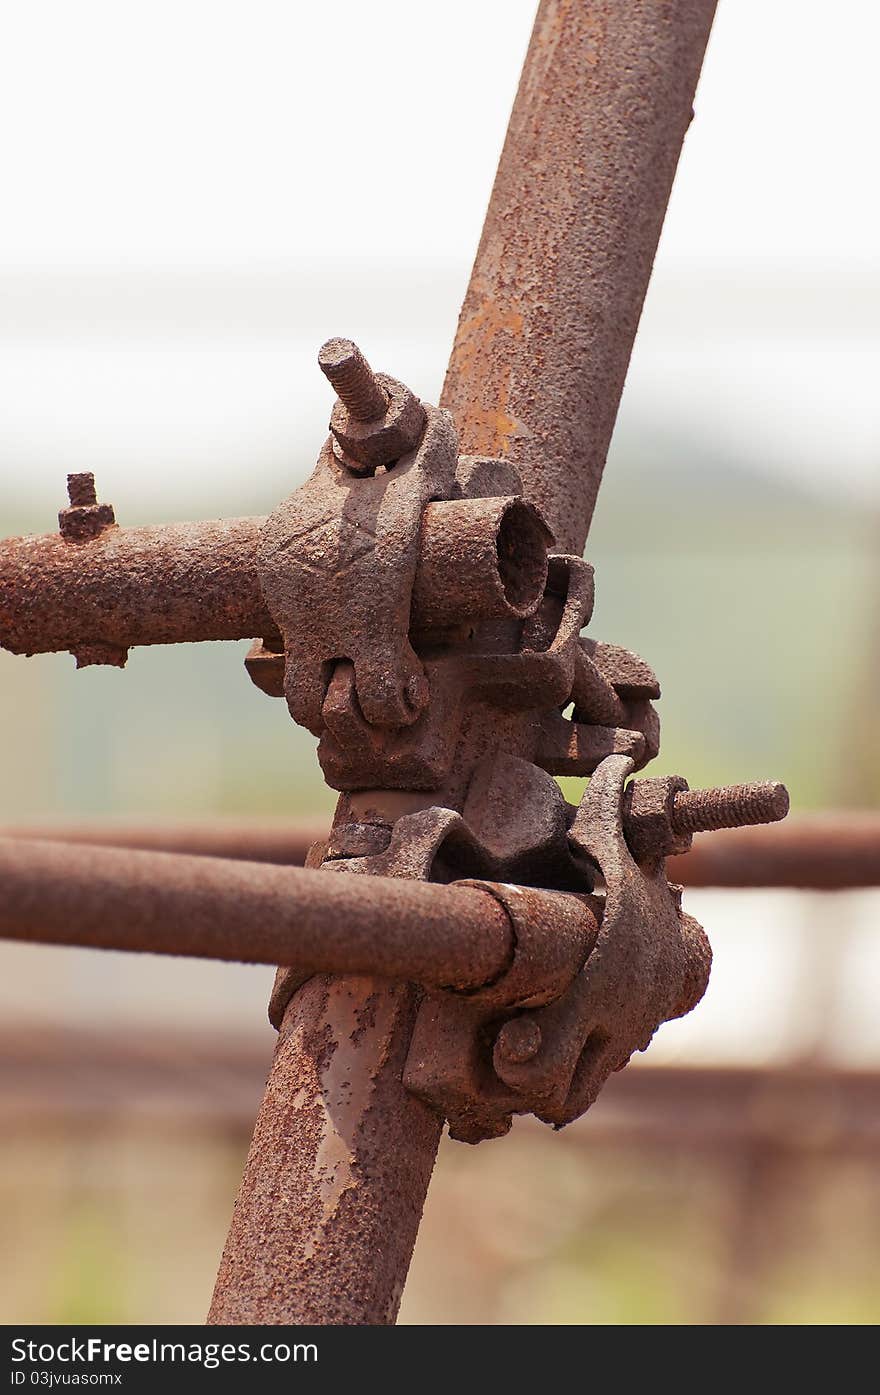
(190, 210)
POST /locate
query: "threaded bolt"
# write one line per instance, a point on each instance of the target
(732, 806)
(81, 490)
(357, 386)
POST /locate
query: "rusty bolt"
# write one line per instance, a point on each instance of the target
(732, 806)
(357, 386)
(85, 518)
(376, 420)
(660, 815)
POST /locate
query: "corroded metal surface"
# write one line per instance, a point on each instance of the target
(85, 518)
(333, 1189)
(106, 592)
(735, 806)
(128, 586)
(168, 903)
(661, 815)
(376, 420)
(548, 323)
(649, 963)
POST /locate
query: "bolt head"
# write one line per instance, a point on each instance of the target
(518, 1041)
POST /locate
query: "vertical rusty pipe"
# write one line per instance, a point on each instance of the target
(555, 295)
(329, 1207)
(336, 1178)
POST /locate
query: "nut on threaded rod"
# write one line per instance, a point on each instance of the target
(661, 815)
(732, 806)
(357, 386)
(376, 419)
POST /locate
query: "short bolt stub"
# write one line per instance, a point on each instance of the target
(85, 518)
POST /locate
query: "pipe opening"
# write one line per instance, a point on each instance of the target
(521, 544)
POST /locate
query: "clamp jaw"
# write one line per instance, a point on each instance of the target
(432, 642)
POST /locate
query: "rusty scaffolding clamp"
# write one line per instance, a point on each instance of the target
(414, 590)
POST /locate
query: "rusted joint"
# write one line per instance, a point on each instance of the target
(552, 934)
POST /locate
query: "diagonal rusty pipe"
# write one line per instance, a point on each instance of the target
(329, 1207)
(548, 322)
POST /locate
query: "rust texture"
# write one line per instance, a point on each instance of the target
(85, 518)
(376, 420)
(353, 380)
(128, 586)
(736, 806)
(556, 291)
(480, 559)
(648, 964)
(624, 110)
(329, 1206)
(168, 903)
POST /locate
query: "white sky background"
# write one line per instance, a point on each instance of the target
(196, 193)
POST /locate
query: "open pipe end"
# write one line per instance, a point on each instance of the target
(480, 559)
(521, 543)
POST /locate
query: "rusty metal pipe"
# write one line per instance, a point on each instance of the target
(166, 903)
(329, 1206)
(158, 585)
(817, 852)
(480, 558)
(275, 840)
(556, 292)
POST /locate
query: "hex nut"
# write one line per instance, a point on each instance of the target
(365, 445)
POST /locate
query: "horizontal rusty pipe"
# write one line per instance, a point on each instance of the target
(320, 922)
(483, 558)
(556, 292)
(277, 840)
(816, 852)
(160, 585)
